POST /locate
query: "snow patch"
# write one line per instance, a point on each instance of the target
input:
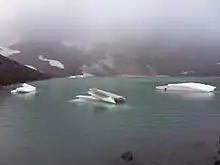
(30, 66)
(51, 62)
(187, 72)
(5, 51)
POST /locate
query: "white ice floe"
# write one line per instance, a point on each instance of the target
(51, 62)
(188, 87)
(30, 66)
(25, 88)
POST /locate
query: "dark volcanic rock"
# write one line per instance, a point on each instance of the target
(127, 156)
(217, 162)
(12, 72)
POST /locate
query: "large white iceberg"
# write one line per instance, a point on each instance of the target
(25, 88)
(188, 87)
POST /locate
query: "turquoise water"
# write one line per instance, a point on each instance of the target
(51, 127)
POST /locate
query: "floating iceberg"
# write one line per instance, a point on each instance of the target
(97, 94)
(82, 75)
(188, 87)
(77, 76)
(25, 88)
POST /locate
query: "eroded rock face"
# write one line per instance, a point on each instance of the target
(12, 72)
(50, 57)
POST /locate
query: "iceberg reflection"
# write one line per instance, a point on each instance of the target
(99, 106)
(26, 96)
(190, 95)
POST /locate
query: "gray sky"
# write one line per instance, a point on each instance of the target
(91, 19)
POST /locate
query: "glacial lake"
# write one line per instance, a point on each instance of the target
(52, 127)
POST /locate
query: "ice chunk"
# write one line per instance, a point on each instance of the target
(25, 88)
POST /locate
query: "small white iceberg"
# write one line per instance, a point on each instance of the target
(25, 88)
(76, 76)
(81, 76)
(198, 87)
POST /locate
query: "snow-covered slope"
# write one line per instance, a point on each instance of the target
(52, 62)
(12, 72)
(7, 52)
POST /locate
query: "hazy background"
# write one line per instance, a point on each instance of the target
(181, 21)
(143, 37)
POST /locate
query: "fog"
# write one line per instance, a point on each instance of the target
(91, 20)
